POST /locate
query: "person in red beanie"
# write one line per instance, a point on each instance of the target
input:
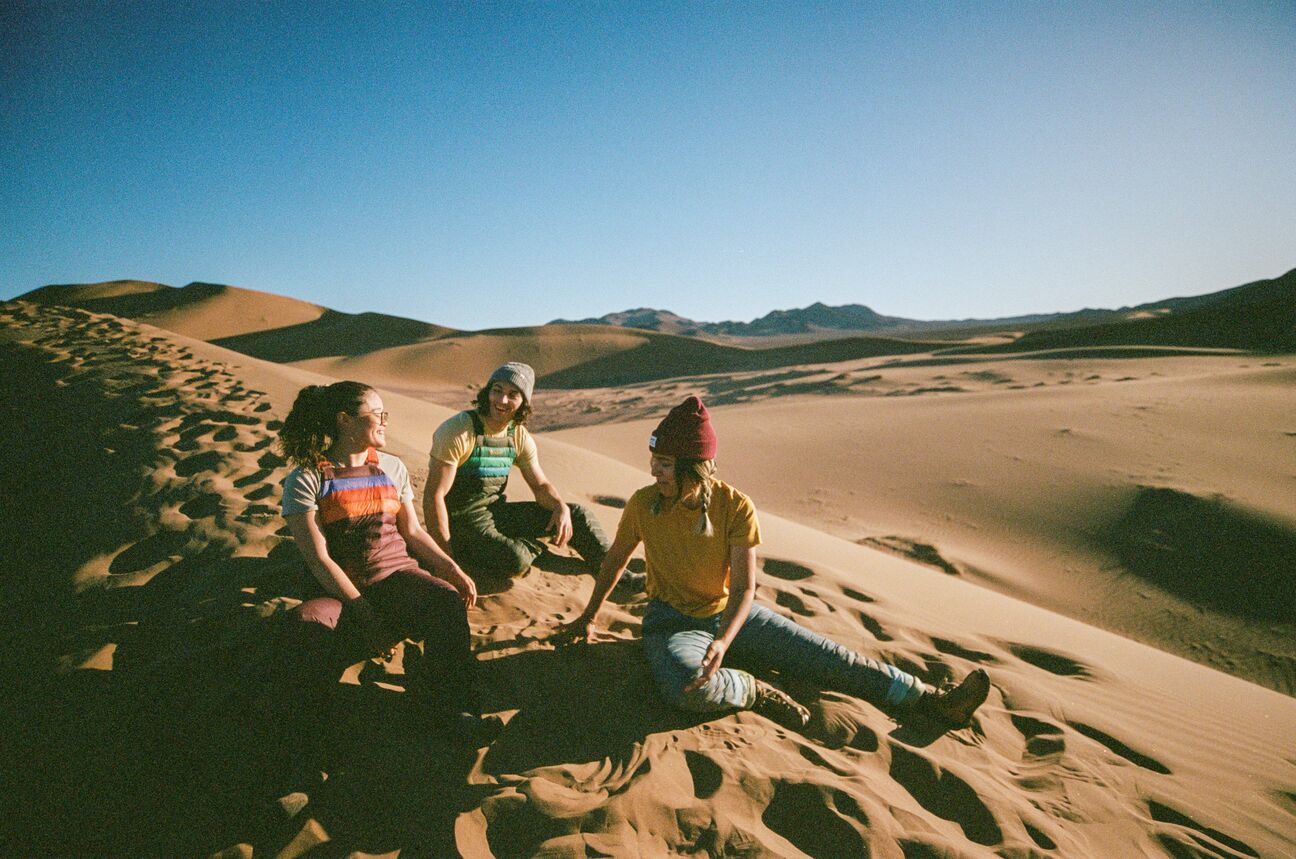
(700, 536)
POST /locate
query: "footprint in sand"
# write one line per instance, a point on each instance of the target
(858, 596)
(794, 604)
(1202, 836)
(1051, 661)
(265, 490)
(610, 501)
(951, 648)
(1119, 749)
(817, 819)
(945, 795)
(875, 629)
(209, 460)
(202, 506)
(1044, 740)
(147, 552)
(786, 570)
(706, 773)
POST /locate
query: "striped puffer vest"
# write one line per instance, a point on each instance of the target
(481, 480)
(357, 513)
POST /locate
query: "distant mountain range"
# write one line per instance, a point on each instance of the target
(818, 318)
(1276, 297)
(643, 344)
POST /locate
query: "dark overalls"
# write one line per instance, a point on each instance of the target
(491, 536)
(357, 514)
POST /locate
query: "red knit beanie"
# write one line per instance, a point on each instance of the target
(685, 432)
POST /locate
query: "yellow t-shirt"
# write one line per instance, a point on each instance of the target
(454, 440)
(690, 571)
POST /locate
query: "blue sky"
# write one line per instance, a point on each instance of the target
(481, 165)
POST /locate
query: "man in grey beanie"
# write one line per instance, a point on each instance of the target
(468, 468)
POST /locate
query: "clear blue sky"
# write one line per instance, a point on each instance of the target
(482, 165)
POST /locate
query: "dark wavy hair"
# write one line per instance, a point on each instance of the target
(482, 404)
(311, 426)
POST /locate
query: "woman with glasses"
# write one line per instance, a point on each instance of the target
(378, 576)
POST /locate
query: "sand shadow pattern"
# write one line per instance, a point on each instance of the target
(787, 570)
(820, 820)
(1211, 552)
(1050, 660)
(1202, 837)
(1120, 749)
(945, 795)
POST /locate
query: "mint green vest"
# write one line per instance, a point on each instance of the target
(480, 481)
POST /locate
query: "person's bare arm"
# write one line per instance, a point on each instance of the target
(434, 558)
(546, 495)
(441, 476)
(742, 592)
(610, 570)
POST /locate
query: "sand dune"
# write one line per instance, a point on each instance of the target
(1259, 316)
(1151, 496)
(207, 311)
(141, 600)
(333, 334)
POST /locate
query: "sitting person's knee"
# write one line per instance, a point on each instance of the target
(676, 692)
(322, 612)
(510, 561)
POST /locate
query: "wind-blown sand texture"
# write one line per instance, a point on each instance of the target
(939, 523)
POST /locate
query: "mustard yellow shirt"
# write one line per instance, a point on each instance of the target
(687, 570)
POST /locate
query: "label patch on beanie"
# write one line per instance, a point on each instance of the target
(652, 442)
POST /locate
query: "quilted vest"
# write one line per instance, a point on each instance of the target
(480, 481)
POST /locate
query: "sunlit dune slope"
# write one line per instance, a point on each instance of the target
(207, 311)
(333, 334)
(1259, 316)
(575, 356)
(1151, 496)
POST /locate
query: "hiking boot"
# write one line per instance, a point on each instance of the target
(631, 582)
(779, 707)
(472, 730)
(954, 707)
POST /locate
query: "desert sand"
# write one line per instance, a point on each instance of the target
(1108, 531)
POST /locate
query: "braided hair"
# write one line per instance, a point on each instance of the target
(693, 472)
(311, 426)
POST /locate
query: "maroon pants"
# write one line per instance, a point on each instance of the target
(324, 637)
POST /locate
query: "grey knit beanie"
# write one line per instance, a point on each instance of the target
(516, 373)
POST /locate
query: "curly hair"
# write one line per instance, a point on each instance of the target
(482, 403)
(311, 426)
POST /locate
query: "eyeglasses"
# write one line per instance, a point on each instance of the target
(381, 416)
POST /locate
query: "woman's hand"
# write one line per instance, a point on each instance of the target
(460, 581)
(710, 665)
(580, 629)
(379, 638)
(561, 525)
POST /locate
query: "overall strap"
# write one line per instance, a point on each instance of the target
(479, 429)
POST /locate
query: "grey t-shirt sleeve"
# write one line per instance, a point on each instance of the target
(395, 468)
(301, 491)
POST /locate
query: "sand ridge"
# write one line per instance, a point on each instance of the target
(145, 730)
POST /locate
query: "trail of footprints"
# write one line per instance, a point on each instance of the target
(214, 475)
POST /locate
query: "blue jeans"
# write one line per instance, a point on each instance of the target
(675, 644)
